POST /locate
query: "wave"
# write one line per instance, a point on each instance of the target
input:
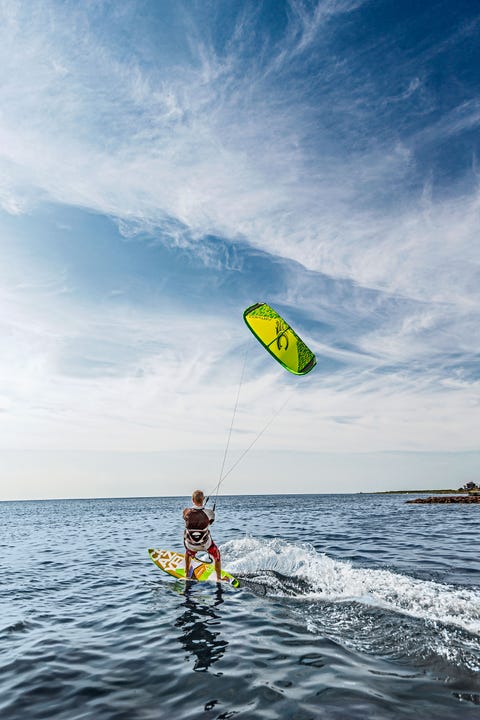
(285, 568)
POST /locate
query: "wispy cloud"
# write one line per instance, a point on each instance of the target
(219, 148)
(283, 140)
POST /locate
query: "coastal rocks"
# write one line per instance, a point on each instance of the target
(448, 499)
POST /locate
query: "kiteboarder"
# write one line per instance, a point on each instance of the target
(197, 535)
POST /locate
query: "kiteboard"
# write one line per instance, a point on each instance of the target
(173, 563)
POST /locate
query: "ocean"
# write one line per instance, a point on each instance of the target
(353, 606)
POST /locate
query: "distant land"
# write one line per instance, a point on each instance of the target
(462, 495)
(424, 492)
(458, 498)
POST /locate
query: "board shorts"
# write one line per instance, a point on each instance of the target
(213, 551)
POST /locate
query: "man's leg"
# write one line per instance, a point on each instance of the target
(215, 553)
(187, 565)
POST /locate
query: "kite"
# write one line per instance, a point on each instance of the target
(279, 339)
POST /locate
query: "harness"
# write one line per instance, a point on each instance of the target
(197, 532)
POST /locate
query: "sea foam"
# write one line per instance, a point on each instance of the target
(338, 581)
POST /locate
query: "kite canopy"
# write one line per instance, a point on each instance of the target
(279, 339)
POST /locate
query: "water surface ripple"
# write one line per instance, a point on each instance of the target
(353, 606)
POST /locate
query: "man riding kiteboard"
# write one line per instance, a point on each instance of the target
(197, 535)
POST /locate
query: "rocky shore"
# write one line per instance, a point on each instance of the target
(447, 499)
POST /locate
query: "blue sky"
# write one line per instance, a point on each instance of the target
(163, 166)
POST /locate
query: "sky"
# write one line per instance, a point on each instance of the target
(163, 166)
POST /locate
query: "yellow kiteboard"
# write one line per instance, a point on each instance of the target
(173, 563)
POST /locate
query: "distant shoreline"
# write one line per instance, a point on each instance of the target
(440, 498)
(422, 492)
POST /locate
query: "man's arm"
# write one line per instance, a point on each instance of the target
(210, 514)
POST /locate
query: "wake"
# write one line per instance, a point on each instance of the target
(283, 568)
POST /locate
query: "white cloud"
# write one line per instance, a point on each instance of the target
(213, 146)
(219, 152)
(147, 381)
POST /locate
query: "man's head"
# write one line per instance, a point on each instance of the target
(198, 497)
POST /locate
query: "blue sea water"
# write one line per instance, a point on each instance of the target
(353, 606)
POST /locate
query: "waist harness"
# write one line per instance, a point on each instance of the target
(197, 533)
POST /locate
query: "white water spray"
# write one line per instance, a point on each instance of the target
(338, 581)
